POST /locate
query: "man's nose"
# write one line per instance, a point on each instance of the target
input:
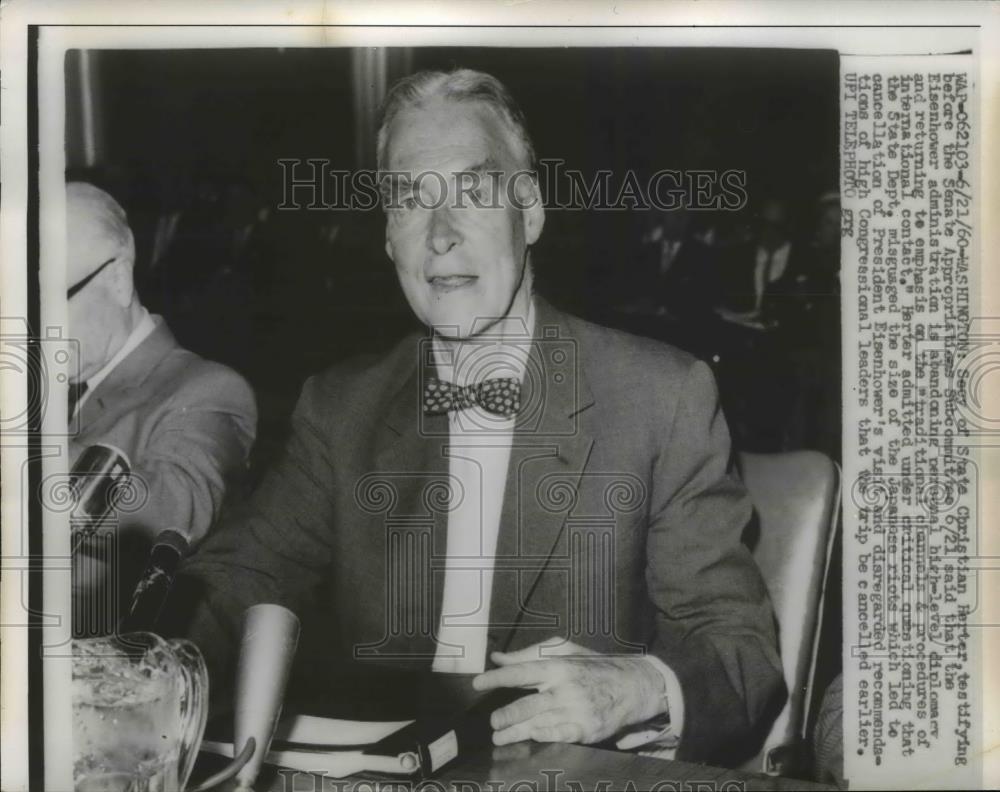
(442, 235)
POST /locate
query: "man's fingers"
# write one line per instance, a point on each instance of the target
(563, 732)
(525, 729)
(559, 647)
(512, 676)
(526, 655)
(512, 734)
(521, 710)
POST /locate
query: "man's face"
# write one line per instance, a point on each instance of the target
(98, 314)
(462, 266)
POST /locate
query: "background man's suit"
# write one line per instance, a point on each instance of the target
(186, 424)
(620, 527)
(780, 296)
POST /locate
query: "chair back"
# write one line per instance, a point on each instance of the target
(797, 499)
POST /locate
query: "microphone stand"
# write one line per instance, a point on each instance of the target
(154, 585)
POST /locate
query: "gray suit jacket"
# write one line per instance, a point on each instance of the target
(187, 425)
(620, 526)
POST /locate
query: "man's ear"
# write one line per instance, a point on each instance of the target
(122, 286)
(530, 198)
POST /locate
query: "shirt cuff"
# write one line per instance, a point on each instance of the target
(665, 730)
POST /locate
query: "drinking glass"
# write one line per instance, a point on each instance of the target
(139, 709)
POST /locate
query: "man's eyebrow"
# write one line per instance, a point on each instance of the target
(487, 165)
(396, 177)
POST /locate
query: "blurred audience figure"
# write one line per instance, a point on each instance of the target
(680, 265)
(827, 231)
(201, 272)
(185, 424)
(812, 335)
(824, 247)
(754, 373)
(780, 336)
(810, 289)
(759, 278)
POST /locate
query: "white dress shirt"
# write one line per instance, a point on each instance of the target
(140, 332)
(478, 457)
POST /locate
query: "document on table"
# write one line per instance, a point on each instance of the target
(327, 746)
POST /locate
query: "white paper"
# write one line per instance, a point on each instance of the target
(332, 732)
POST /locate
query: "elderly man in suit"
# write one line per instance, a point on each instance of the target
(185, 424)
(516, 494)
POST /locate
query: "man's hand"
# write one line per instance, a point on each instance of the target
(582, 696)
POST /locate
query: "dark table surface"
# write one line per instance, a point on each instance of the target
(546, 767)
(523, 767)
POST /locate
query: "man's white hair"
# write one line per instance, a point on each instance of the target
(105, 213)
(459, 85)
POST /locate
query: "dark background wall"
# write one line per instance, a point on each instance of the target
(189, 142)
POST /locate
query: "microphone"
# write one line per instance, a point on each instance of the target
(270, 637)
(98, 482)
(154, 585)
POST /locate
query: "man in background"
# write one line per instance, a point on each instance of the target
(682, 265)
(758, 277)
(764, 303)
(185, 424)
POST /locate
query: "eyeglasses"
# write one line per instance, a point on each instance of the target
(81, 283)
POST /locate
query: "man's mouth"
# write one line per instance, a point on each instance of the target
(447, 283)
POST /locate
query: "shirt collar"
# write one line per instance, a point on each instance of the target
(502, 351)
(140, 332)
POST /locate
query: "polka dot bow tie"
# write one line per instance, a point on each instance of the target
(500, 395)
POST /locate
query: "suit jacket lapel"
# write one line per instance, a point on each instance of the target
(549, 453)
(129, 373)
(410, 459)
(548, 456)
